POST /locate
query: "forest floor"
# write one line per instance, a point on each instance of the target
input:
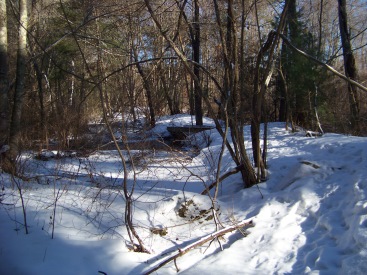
(310, 216)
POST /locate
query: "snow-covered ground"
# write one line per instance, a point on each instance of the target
(309, 217)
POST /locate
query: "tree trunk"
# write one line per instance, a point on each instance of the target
(41, 101)
(248, 173)
(15, 123)
(260, 87)
(148, 89)
(170, 100)
(233, 88)
(196, 58)
(4, 81)
(349, 65)
(281, 86)
(230, 92)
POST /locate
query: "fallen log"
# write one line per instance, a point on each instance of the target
(183, 251)
(223, 177)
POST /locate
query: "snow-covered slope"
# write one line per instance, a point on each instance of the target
(310, 216)
(313, 218)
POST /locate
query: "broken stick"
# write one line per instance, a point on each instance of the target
(200, 242)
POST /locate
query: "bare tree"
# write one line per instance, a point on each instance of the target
(239, 155)
(19, 94)
(147, 85)
(128, 193)
(196, 48)
(231, 88)
(4, 67)
(261, 82)
(349, 64)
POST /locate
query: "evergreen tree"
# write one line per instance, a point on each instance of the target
(297, 75)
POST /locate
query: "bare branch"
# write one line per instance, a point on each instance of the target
(221, 178)
(328, 67)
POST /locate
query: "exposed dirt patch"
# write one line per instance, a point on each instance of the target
(191, 211)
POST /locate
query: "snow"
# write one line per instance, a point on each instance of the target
(176, 120)
(310, 216)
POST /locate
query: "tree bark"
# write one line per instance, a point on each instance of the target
(148, 89)
(349, 65)
(41, 102)
(260, 87)
(195, 97)
(146, 84)
(259, 92)
(196, 58)
(230, 92)
(4, 80)
(15, 123)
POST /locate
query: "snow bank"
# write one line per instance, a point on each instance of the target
(310, 216)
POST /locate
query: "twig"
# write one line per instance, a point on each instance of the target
(44, 255)
(54, 213)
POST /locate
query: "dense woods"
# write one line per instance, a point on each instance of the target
(66, 63)
(87, 84)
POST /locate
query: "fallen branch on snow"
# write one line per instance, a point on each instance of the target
(223, 177)
(200, 242)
